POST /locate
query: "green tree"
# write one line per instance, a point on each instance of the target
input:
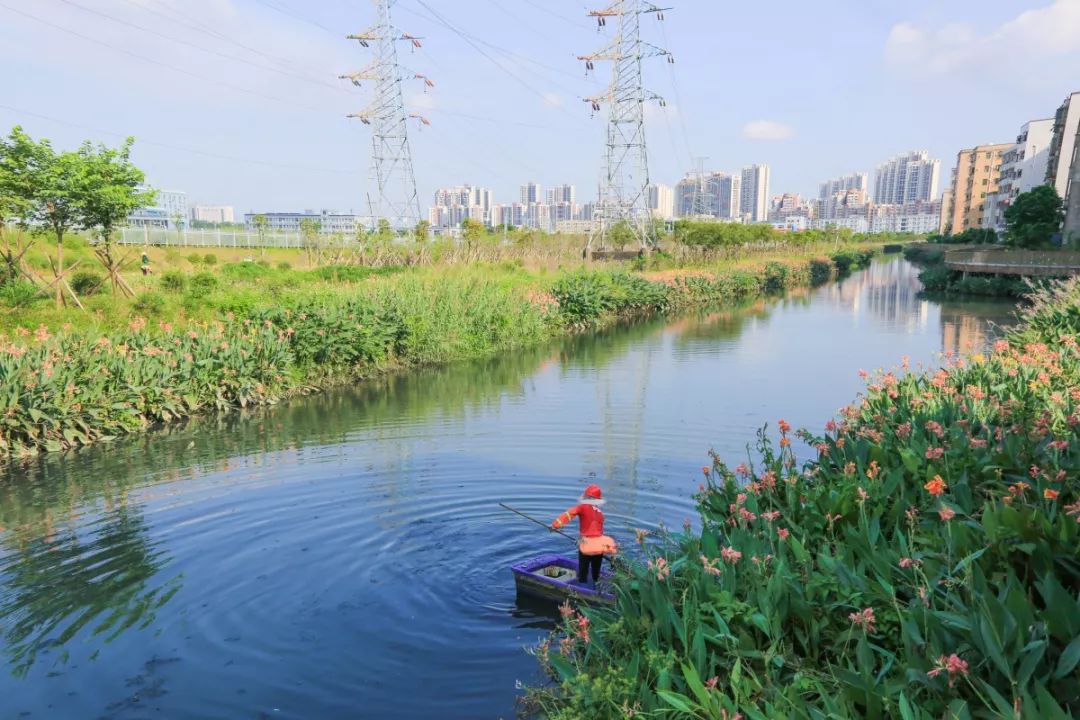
(17, 165)
(620, 235)
(422, 232)
(111, 192)
(310, 229)
(53, 186)
(472, 231)
(1034, 217)
(262, 225)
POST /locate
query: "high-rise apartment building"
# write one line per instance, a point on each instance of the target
(713, 194)
(454, 204)
(662, 202)
(1063, 143)
(907, 178)
(829, 188)
(975, 176)
(754, 193)
(1023, 167)
(531, 193)
(1071, 232)
(561, 194)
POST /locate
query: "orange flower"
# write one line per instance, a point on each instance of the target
(946, 513)
(784, 426)
(1050, 494)
(936, 487)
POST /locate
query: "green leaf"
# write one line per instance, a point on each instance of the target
(562, 666)
(677, 701)
(969, 559)
(1069, 657)
(693, 680)
(906, 712)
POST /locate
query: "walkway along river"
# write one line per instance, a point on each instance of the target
(344, 555)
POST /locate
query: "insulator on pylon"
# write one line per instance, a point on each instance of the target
(671, 59)
(588, 64)
(660, 15)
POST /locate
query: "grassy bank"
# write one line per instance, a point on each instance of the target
(250, 334)
(926, 565)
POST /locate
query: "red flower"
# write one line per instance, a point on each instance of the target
(783, 533)
(936, 487)
(952, 665)
(946, 513)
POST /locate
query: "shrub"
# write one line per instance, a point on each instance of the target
(936, 278)
(19, 293)
(210, 259)
(173, 281)
(86, 283)
(923, 254)
(843, 262)
(150, 303)
(245, 270)
(203, 282)
(820, 271)
(284, 266)
(195, 258)
(927, 565)
(774, 278)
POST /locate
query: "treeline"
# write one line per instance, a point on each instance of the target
(720, 235)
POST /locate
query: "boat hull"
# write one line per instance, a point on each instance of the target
(554, 578)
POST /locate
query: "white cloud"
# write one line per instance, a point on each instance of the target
(767, 130)
(1025, 40)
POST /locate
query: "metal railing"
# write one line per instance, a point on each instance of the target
(209, 238)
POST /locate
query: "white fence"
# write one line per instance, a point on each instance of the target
(209, 238)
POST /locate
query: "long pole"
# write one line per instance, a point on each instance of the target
(538, 522)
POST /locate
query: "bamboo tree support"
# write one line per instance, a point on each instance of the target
(114, 268)
(13, 254)
(60, 282)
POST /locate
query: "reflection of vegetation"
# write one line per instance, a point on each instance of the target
(58, 585)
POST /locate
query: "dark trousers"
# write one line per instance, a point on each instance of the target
(585, 562)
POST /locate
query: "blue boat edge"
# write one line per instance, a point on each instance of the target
(530, 581)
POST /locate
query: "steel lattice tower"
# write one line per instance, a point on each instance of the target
(391, 160)
(623, 195)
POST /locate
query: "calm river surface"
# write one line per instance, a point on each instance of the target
(343, 556)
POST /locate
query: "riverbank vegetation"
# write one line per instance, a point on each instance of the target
(248, 334)
(926, 565)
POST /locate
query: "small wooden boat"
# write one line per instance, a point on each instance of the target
(554, 577)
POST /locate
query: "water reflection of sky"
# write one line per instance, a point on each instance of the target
(317, 558)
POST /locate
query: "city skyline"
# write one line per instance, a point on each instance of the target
(234, 131)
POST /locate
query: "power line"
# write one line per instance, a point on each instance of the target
(181, 41)
(170, 146)
(199, 26)
(287, 11)
(474, 44)
(159, 63)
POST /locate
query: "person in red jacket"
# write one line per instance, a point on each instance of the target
(591, 520)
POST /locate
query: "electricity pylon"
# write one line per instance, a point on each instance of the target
(624, 196)
(391, 160)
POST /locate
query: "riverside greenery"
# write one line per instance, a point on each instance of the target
(926, 565)
(60, 390)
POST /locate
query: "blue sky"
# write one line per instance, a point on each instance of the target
(814, 89)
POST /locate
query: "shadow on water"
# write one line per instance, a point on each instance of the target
(59, 580)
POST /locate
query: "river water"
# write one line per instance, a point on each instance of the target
(344, 556)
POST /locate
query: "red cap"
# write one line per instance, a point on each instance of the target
(592, 495)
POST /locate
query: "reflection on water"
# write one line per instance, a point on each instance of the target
(318, 558)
